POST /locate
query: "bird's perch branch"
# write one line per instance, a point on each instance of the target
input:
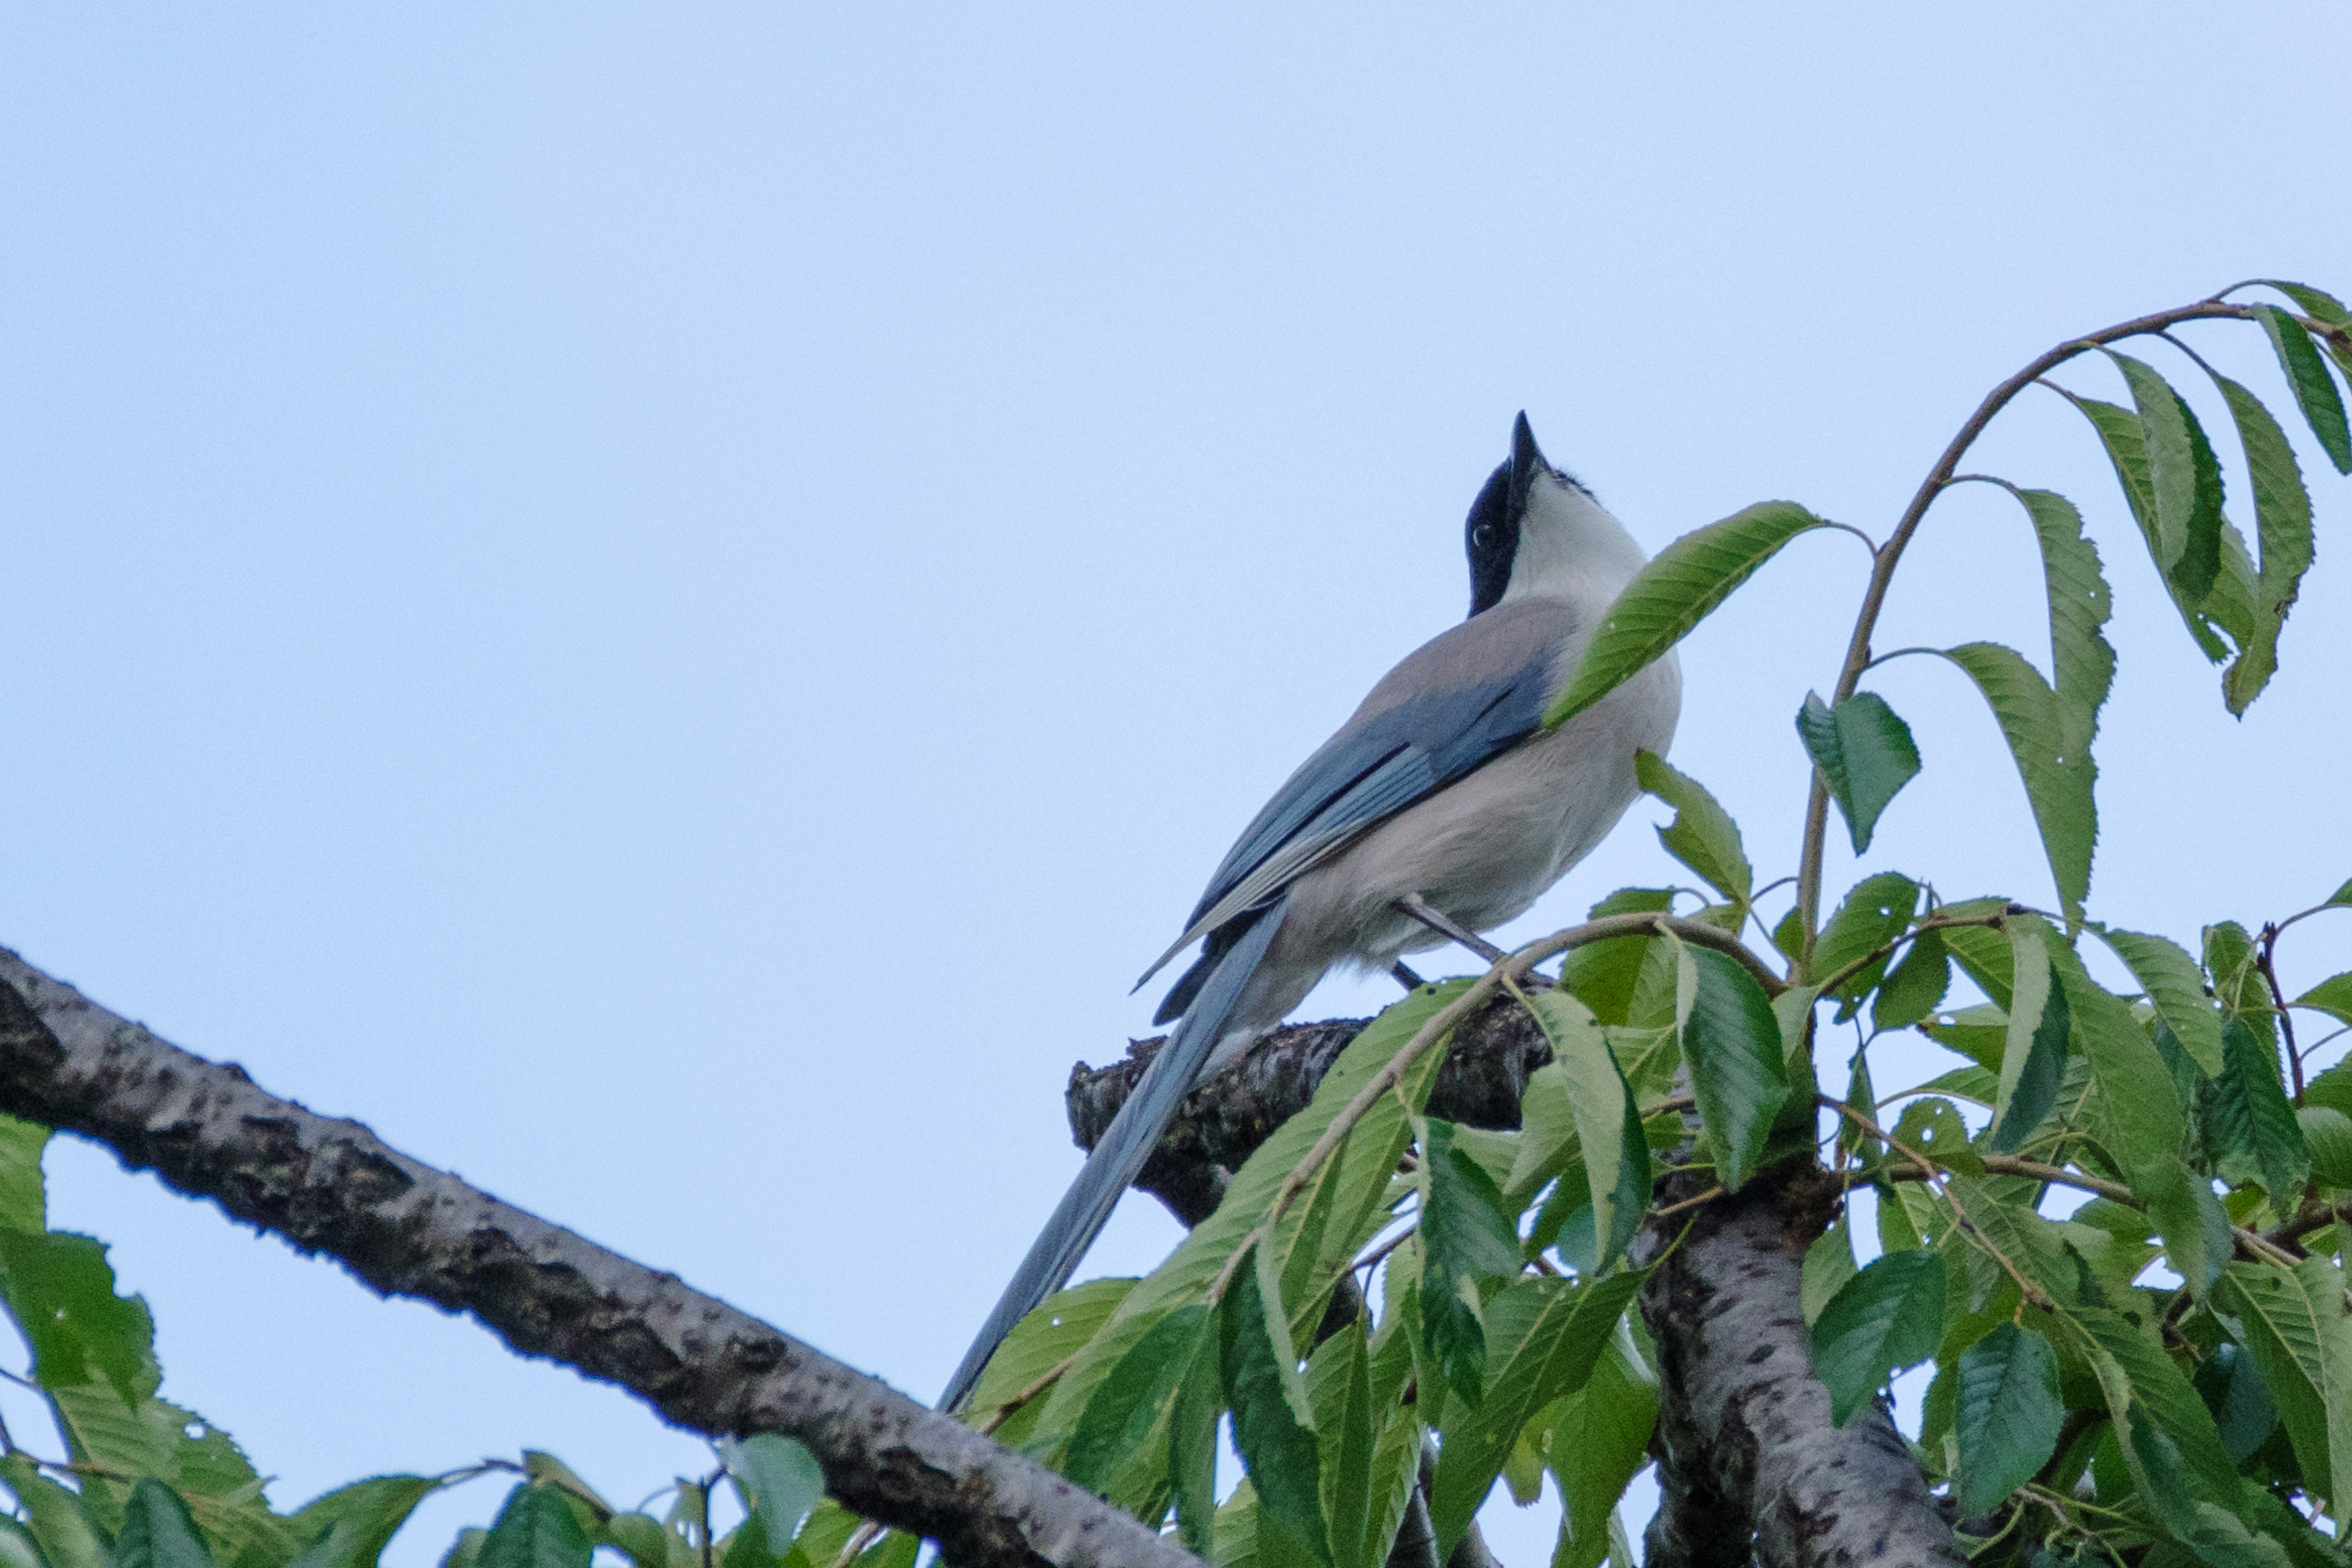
(405, 1229)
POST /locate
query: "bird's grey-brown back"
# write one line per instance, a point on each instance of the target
(1483, 849)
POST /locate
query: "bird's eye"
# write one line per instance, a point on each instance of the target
(1483, 535)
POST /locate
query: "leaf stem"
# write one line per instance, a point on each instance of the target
(1887, 555)
(1933, 1177)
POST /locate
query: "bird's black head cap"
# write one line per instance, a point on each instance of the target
(1491, 535)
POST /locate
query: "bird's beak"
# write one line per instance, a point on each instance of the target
(1526, 462)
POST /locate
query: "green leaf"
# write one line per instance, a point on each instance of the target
(23, 1201)
(2189, 1219)
(1193, 1448)
(61, 1523)
(1934, 1129)
(1864, 751)
(2328, 1138)
(2249, 1122)
(351, 1526)
(61, 1290)
(2082, 664)
(2058, 776)
(17, 1547)
(535, 1528)
(782, 1479)
(2332, 996)
(1346, 1429)
(2317, 303)
(1732, 1042)
(2126, 442)
(1873, 912)
(1608, 1122)
(2151, 1382)
(2008, 1417)
(2136, 1103)
(2283, 523)
(2315, 389)
(1466, 1241)
(1136, 1397)
(2341, 895)
(2185, 479)
(1674, 592)
(2033, 1053)
(2175, 987)
(1829, 1264)
(1276, 1447)
(158, 1532)
(1040, 1342)
(2291, 1322)
(1915, 987)
(1597, 1440)
(1888, 1316)
(1546, 1335)
(1702, 835)
(1357, 1180)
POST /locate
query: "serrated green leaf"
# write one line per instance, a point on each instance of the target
(1547, 1334)
(2060, 777)
(1346, 1426)
(1731, 1042)
(2249, 1125)
(1466, 1242)
(2291, 1322)
(2315, 389)
(2328, 1138)
(1915, 987)
(1276, 1447)
(1040, 1342)
(351, 1525)
(2341, 895)
(1136, 1397)
(1865, 752)
(2033, 1051)
(2175, 987)
(2082, 664)
(60, 1289)
(2138, 1108)
(1676, 590)
(643, 1539)
(1888, 1316)
(1608, 1122)
(2126, 442)
(61, 1524)
(1829, 1264)
(2008, 1415)
(2185, 479)
(535, 1528)
(1873, 912)
(1359, 1175)
(158, 1533)
(2189, 1219)
(1193, 1446)
(1702, 835)
(1596, 1441)
(2332, 996)
(23, 1198)
(2316, 303)
(1933, 1128)
(781, 1479)
(2282, 524)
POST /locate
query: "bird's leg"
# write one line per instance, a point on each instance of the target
(1401, 972)
(1420, 909)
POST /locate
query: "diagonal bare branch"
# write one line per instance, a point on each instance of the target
(405, 1229)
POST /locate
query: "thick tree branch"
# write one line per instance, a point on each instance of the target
(1750, 1467)
(1223, 1121)
(330, 1186)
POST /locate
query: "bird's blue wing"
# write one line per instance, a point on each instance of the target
(1455, 704)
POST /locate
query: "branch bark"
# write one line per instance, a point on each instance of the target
(405, 1229)
(1750, 1467)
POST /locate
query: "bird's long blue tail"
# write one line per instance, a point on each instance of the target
(1118, 1155)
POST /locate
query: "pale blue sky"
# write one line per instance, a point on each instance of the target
(666, 605)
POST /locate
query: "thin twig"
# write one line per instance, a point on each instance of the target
(2266, 946)
(1935, 1178)
(1874, 600)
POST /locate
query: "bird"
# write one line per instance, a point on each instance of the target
(1442, 801)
